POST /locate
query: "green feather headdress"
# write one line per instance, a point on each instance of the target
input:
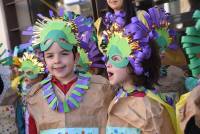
(50, 30)
(30, 65)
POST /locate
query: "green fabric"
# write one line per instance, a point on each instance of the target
(191, 46)
(163, 39)
(121, 44)
(83, 60)
(6, 61)
(185, 45)
(194, 62)
(192, 31)
(74, 102)
(53, 102)
(197, 26)
(30, 70)
(66, 107)
(196, 14)
(190, 39)
(82, 86)
(190, 83)
(193, 50)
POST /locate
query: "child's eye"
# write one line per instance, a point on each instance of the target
(65, 53)
(63, 40)
(116, 58)
(29, 72)
(49, 56)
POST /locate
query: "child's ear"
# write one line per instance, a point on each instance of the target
(77, 56)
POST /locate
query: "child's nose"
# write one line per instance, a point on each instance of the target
(57, 59)
(108, 65)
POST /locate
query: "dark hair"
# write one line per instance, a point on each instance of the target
(74, 50)
(194, 4)
(152, 66)
(1, 85)
(128, 8)
(145, 5)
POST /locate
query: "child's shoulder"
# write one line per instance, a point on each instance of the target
(100, 85)
(35, 90)
(98, 79)
(140, 109)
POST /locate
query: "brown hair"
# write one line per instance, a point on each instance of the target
(152, 66)
(128, 7)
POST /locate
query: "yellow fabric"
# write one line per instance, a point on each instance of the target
(16, 61)
(180, 104)
(167, 106)
(140, 15)
(97, 25)
(15, 83)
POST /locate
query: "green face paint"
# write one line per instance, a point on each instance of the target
(116, 59)
(119, 47)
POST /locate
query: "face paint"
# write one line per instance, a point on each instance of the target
(118, 51)
(116, 58)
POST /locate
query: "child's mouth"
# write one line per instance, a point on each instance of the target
(114, 2)
(110, 74)
(59, 68)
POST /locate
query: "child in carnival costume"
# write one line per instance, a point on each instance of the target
(66, 102)
(187, 109)
(32, 71)
(172, 57)
(7, 97)
(27, 70)
(133, 64)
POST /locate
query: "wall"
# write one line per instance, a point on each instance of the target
(3, 28)
(23, 17)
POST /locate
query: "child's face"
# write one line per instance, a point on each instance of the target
(60, 62)
(116, 5)
(117, 75)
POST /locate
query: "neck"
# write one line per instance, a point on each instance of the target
(127, 85)
(65, 80)
(117, 10)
